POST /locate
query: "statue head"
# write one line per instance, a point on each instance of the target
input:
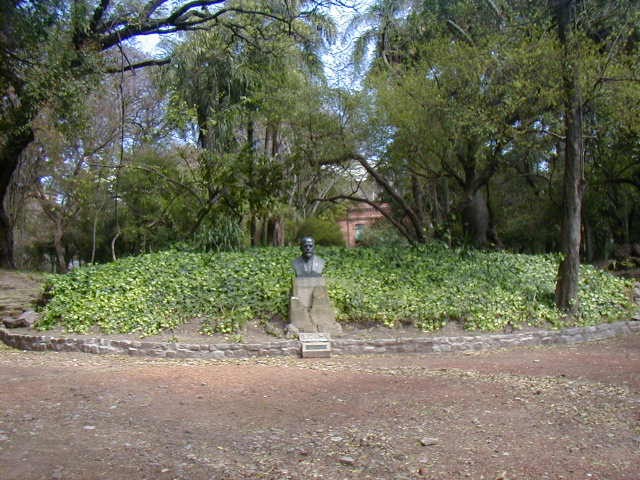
(308, 247)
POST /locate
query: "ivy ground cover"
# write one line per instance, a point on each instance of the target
(425, 286)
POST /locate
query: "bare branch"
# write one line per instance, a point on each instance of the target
(157, 62)
(189, 7)
(125, 29)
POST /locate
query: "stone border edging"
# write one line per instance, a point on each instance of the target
(339, 346)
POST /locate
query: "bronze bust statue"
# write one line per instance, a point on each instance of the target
(308, 264)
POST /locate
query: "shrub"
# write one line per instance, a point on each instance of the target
(222, 233)
(382, 234)
(427, 286)
(324, 232)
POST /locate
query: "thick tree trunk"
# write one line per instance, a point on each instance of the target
(566, 294)
(10, 155)
(569, 270)
(476, 218)
(441, 216)
(6, 240)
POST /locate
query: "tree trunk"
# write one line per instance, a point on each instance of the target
(265, 231)
(59, 247)
(278, 232)
(589, 249)
(492, 231)
(566, 294)
(408, 222)
(441, 215)
(418, 200)
(113, 245)
(11, 151)
(476, 219)
(573, 183)
(254, 228)
(250, 135)
(626, 213)
(93, 238)
(6, 240)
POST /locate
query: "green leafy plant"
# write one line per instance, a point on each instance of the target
(426, 286)
(324, 231)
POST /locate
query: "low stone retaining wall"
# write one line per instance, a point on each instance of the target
(339, 346)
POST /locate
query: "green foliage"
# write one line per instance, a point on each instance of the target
(324, 232)
(483, 290)
(382, 234)
(222, 233)
(428, 286)
(159, 291)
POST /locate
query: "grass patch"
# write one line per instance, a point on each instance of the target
(427, 286)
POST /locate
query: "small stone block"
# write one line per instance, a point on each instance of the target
(315, 345)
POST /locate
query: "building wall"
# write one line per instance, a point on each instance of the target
(357, 220)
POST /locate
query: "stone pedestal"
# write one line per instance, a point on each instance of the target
(310, 309)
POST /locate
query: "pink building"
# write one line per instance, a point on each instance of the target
(357, 220)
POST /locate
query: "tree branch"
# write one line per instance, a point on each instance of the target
(151, 7)
(157, 62)
(98, 14)
(619, 79)
(183, 18)
(385, 212)
(457, 29)
(451, 172)
(623, 181)
(380, 180)
(124, 29)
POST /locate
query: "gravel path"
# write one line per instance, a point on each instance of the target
(528, 413)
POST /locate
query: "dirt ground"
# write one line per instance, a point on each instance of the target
(527, 413)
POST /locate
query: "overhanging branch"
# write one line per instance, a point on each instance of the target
(157, 62)
(385, 212)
